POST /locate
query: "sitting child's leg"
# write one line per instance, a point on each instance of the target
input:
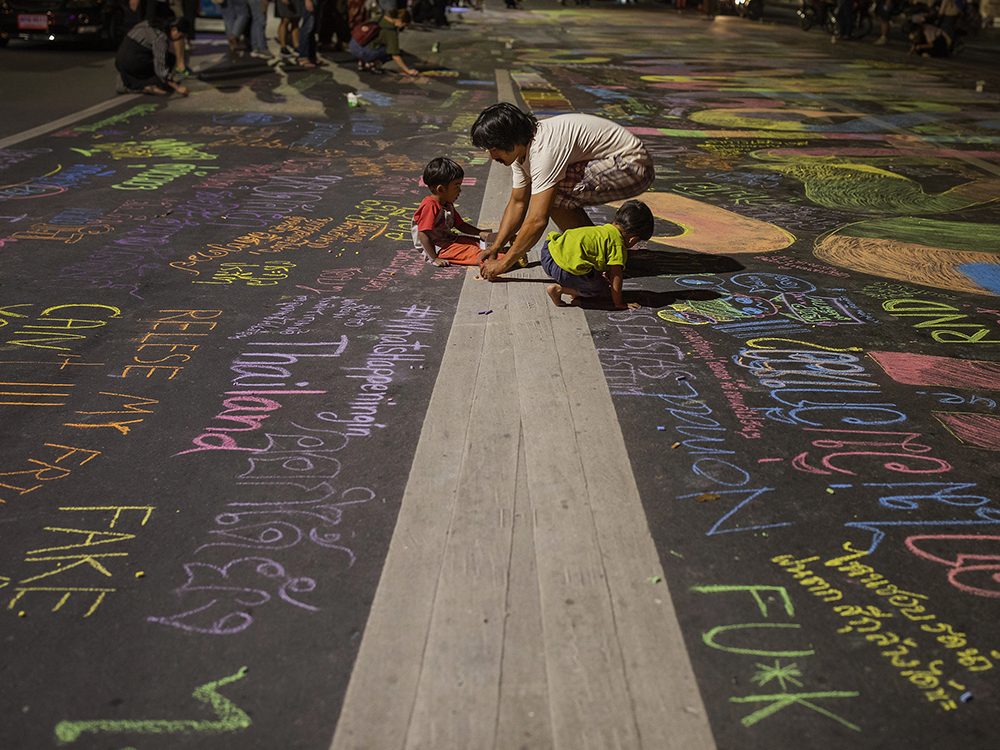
(464, 251)
(591, 284)
(556, 291)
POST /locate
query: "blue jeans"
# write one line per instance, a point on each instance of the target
(235, 14)
(307, 31)
(367, 54)
(258, 25)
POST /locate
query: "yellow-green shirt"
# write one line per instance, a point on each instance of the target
(388, 36)
(582, 250)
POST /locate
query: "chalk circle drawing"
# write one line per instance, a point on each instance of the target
(29, 190)
(710, 229)
(701, 281)
(231, 718)
(983, 552)
(772, 282)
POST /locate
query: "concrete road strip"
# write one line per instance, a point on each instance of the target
(514, 609)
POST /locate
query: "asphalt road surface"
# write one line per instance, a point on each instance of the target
(219, 350)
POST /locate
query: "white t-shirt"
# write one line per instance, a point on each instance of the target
(566, 139)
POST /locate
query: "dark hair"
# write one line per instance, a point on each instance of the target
(403, 14)
(503, 126)
(635, 218)
(173, 22)
(441, 171)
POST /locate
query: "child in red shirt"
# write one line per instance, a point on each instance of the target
(434, 222)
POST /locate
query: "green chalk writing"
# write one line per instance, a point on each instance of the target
(231, 718)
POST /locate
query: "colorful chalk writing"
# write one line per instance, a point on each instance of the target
(84, 549)
(773, 702)
(869, 621)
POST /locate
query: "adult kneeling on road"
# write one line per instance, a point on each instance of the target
(560, 165)
(145, 62)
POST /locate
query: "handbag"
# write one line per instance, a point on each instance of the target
(363, 33)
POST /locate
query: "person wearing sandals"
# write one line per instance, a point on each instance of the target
(145, 62)
(385, 45)
(308, 10)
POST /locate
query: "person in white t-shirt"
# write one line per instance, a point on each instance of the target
(560, 165)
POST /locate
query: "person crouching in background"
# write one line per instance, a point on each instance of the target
(145, 63)
(385, 45)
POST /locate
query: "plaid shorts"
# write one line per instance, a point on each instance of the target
(592, 183)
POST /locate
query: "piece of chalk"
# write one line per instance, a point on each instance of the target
(139, 574)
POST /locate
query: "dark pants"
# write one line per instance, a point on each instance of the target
(845, 17)
(307, 31)
(156, 9)
(332, 21)
(135, 64)
(190, 13)
(430, 11)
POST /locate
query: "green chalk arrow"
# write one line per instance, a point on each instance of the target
(231, 718)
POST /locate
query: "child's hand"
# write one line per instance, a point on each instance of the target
(441, 263)
(485, 235)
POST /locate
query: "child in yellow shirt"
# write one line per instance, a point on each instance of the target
(578, 259)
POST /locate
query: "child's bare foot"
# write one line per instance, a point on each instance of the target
(555, 294)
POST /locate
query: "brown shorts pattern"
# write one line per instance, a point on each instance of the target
(592, 183)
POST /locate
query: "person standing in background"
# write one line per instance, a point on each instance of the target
(845, 20)
(235, 14)
(258, 29)
(288, 29)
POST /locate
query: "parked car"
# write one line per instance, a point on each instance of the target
(61, 20)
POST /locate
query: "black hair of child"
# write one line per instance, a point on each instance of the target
(635, 218)
(441, 171)
(503, 126)
(165, 24)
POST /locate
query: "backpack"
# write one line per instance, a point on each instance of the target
(363, 33)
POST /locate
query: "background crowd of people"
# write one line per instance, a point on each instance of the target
(153, 59)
